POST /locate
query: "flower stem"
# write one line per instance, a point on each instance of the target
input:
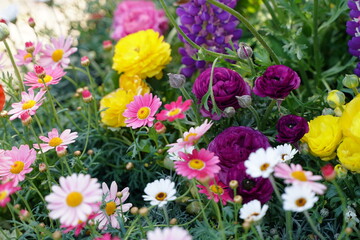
(258, 228)
(267, 112)
(343, 206)
(316, 43)
(256, 115)
(356, 92)
(201, 205)
(193, 106)
(312, 225)
(289, 225)
(16, 70)
(166, 215)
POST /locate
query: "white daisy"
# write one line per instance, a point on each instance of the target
(173, 233)
(252, 211)
(286, 152)
(160, 192)
(262, 162)
(298, 198)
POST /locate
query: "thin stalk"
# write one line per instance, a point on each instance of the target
(256, 115)
(51, 102)
(316, 43)
(273, 183)
(312, 225)
(258, 229)
(87, 132)
(356, 92)
(193, 105)
(92, 88)
(131, 228)
(201, 206)
(343, 206)
(166, 215)
(16, 70)
(11, 208)
(267, 112)
(218, 215)
(289, 225)
(273, 15)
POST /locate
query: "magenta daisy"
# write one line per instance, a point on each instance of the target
(198, 164)
(29, 103)
(174, 110)
(16, 163)
(113, 206)
(78, 227)
(216, 190)
(52, 77)
(295, 174)
(58, 53)
(25, 57)
(141, 111)
(54, 140)
(75, 199)
(190, 137)
(6, 190)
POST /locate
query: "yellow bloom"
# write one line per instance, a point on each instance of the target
(115, 103)
(323, 137)
(349, 154)
(133, 83)
(350, 119)
(143, 53)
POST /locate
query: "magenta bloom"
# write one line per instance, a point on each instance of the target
(133, 16)
(54, 140)
(216, 191)
(6, 190)
(277, 82)
(23, 57)
(80, 226)
(198, 164)
(295, 174)
(52, 77)
(227, 84)
(291, 128)
(16, 164)
(174, 110)
(141, 111)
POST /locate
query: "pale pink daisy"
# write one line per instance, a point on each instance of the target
(29, 103)
(6, 190)
(141, 111)
(54, 140)
(52, 77)
(17, 163)
(174, 110)
(80, 226)
(114, 207)
(295, 174)
(24, 57)
(75, 199)
(191, 137)
(58, 53)
(216, 191)
(198, 164)
(173, 233)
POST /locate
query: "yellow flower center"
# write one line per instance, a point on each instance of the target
(196, 164)
(56, 141)
(110, 208)
(3, 195)
(28, 55)
(17, 167)
(143, 113)
(28, 104)
(189, 135)
(264, 166)
(46, 79)
(74, 199)
(174, 112)
(300, 202)
(216, 189)
(57, 55)
(161, 196)
(299, 175)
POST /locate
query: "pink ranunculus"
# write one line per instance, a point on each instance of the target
(132, 16)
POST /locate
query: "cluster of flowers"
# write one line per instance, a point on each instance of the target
(352, 28)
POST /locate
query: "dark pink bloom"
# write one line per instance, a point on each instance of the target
(6, 190)
(216, 191)
(174, 110)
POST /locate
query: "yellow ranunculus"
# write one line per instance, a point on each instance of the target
(323, 137)
(133, 83)
(349, 154)
(143, 53)
(350, 119)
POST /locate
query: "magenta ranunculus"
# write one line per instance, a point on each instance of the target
(291, 128)
(250, 188)
(277, 82)
(227, 84)
(132, 16)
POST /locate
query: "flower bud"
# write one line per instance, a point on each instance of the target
(244, 51)
(341, 172)
(348, 230)
(90, 152)
(26, 119)
(193, 207)
(39, 71)
(42, 225)
(160, 127)
(17, 206)
(335, 98)
(134, 210)
(173, 221)
(129, 166)
(328, 172)
(61, 151)
(119, 194)
(144, 211)
(351, 81)
(107, 45)
(85, 62)
(29, 47)
(31, 22)
(24, 215)
(56, 235)
(328, 111)
(79, 90)
(42, 167)
(87, 96)
(229, 112)
(246, 225)
(77, 153)
(4, 114)
(2, 20)
(244, 101)
(79, 108)
(233, 184)
(238, 199)
(4, 31)
(176, 80)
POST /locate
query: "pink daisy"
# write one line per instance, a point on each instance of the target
(107, 236)
(6, 190)
(53, 77)
(141, 111)
(216, 190)
(55, 141)
(114, 207)
(295, 174)
(190, 137)
(173, 233)
(174, 110)
(80, 226)
(29, 103)
(17, 163)
(24, 57)
(58, 53)
(75, 199)
(198, 164)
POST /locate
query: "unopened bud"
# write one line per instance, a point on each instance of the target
(90, 152)
(173, 221)
(39, 71)
(4, 114)
(335, 98)
(77, 153)
(119, 194)
(129, 166)
(229, 112)
(85, 62)
(144, 211)
(87, 96)
(244, 51)
(341, 172)
(26, 119)
(42, 167)
(107, 45)
(351, 81)
(233, 184)
(238, 199)
(328, 111)
(42, 225)
(29, 47)
(24, 215)
(246, 225)
(160, 127)
(17, 206)
(244, 101)
(79, 108)
(4, 31)
(31, 22)
(193, 207)
(79, 90)
(134, 210)
(61, 151)
(56, 235)
(176, 80)
(328, 172)
(348, 230)
(146, 165)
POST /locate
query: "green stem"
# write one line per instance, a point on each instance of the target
(200, 202)
(16, 70)
(343, 206)
(356, 92)
(258, 228)
(131, 228)
(316, 43)
(166, 215)
(273, 15)
(218, 215)
(256, 115)
(51, 102)
(273, 183)
(312, 225)
(289, 225)
(267, 112)
(87, 132)
(92, 88)
(193, 105)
